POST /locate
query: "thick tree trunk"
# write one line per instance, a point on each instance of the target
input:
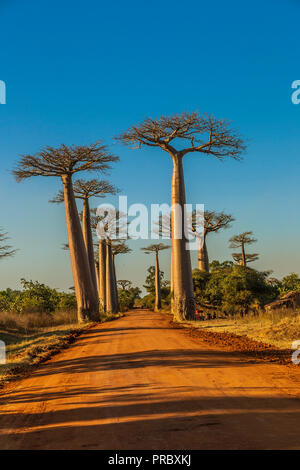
(87, 301)
(203, 262)
(111, 306)
(183, 302)
(172, 254)
(102, 274)
(157, 285)
(88, 239)
(115, 283)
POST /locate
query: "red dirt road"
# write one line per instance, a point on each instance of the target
(138, 383)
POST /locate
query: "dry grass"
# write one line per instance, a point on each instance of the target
(279, 328)
(32, 338)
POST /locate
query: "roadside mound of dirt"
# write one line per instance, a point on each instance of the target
(240, 343)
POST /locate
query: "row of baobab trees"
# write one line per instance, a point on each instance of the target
(177, 135)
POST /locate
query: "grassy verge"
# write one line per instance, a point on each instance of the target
(279, 328)
(33, 338)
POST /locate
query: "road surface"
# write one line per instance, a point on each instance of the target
(138, 383)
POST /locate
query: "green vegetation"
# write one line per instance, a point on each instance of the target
(36, 298)
(128, 297)
(148, 300)
(233, 289)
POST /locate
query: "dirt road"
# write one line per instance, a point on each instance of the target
(138, 383)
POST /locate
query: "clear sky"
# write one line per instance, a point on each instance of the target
(79, 71)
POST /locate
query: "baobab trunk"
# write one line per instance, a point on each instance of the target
(87, 302)
(88, 239)
(102, 274)
(243, 260)
(203, 262)
(115, 283)
(157, 284)
(183, 305)
(111, 306)
(97, 275)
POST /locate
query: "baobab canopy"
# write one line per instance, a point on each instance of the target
(204, 133)
(65, 160)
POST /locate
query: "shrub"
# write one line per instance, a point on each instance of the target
(233, 288)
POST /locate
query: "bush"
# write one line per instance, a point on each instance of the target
(232, 288)
(127, 298)
(35, 298)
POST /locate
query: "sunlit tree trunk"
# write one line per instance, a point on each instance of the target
(184, 301)
(115, 283)
(203, 261)
(88, 238)
(157, 284)
(102, 274)
(87, 301)
(111, 306)
(97, 275)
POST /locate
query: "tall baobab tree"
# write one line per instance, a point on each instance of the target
(5, 250)
(239, 241)
(84, 190)
(212, 222)
(202, 134)
(63, 162)
(155, 248)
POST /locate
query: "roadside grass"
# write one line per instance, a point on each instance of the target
(33, 338)
(279, 328)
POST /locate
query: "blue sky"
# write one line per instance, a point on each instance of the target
(79, 71)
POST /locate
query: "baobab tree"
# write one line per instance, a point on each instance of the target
(63, 162)
(118, 248)
(125, 284)
(193, 133)
(239, 241)
(155, 248)
(84, 190)
(212, 222)
(5, 250)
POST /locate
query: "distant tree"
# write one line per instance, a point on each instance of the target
(5, 250)
(156, 248)
(179, 135)
(124, 284)
(150, 280)
(63, 162)
(118, 248)
(239, 241)
(212, 222)
(127, 297)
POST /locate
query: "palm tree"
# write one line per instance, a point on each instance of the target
(155, 248)
(239, 241)
(206, 135)
(63, 162)
(212, 222)
(84, 190)
(5, 250)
